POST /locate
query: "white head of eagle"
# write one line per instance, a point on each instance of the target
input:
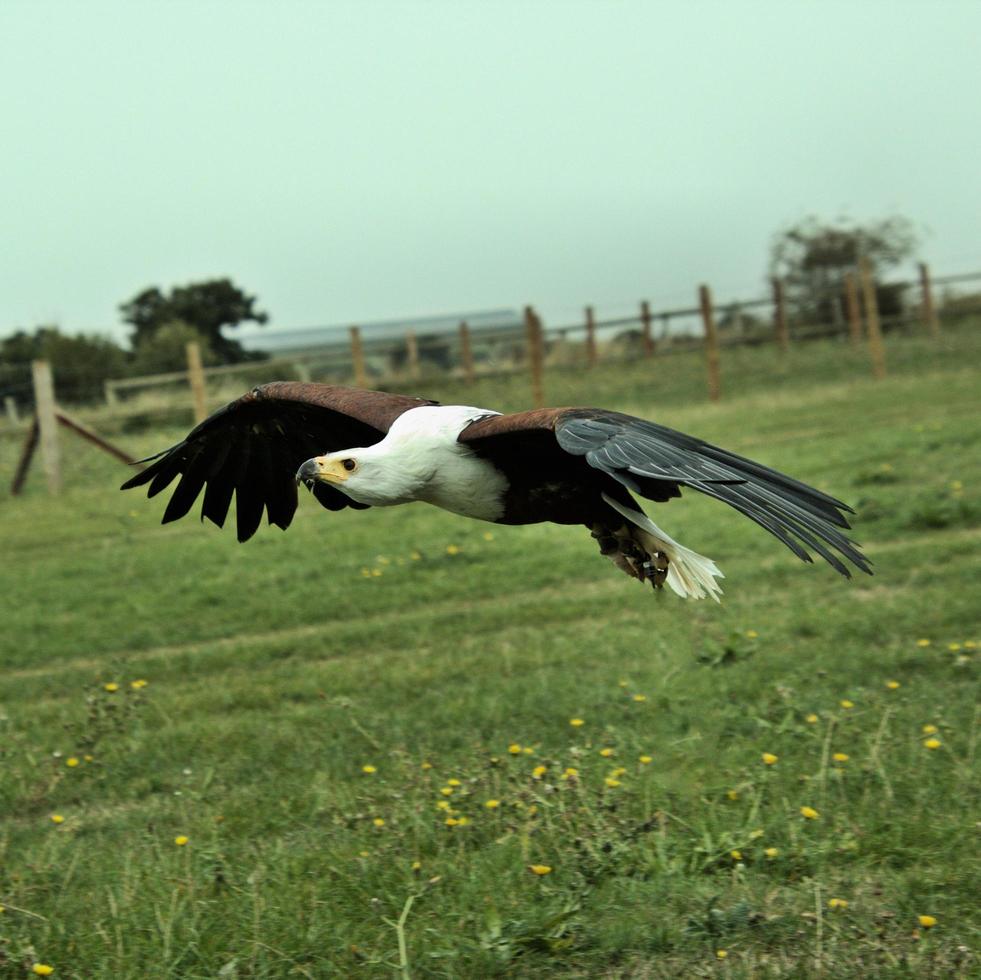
(356, 448)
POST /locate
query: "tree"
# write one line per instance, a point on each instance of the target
(80, 364)
(204, 306)
(812, 258)
(165, 349)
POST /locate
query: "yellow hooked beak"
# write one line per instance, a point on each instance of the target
(323, 469)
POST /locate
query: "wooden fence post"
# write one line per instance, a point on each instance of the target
(195, 374)
(872, 326)
(536, 356)
(112, 399)
(412, 353)
(357, 359)
(930, 317)
(466, 353)
(780, 316)
(590, 337)
(645, 319)
(711, 343)
(853, 309)
(44, 400)
(10, 406)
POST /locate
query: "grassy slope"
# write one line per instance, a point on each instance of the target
(277, 670)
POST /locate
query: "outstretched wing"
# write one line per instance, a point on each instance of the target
(253, 446)
(655, 461)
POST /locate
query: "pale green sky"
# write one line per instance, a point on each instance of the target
(357, 161)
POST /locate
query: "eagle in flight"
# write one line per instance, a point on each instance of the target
(357, 448)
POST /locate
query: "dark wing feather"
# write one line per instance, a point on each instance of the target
(253, 447)
(655, 461)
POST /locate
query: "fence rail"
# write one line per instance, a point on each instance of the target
(529, 345)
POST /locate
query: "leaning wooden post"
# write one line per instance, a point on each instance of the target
(590, 337)
(874, 330)
(780, 316)
(930, 317)
(357, 359)
(195, 374)
(47, 421)
(466, 353)
(412, 353)
(853, 309)
(711, 343)
(536, 356)
(645, 319)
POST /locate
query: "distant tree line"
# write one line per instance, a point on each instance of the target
(163, 324)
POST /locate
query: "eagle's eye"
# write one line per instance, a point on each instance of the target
(348, 464)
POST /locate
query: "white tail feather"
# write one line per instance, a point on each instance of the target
(690, 575)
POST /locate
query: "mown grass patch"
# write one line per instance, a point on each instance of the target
(754, 788)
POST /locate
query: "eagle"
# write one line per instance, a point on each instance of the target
(357, 448)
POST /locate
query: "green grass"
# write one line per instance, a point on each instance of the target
(277, 670)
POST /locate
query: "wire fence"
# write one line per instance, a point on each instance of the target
(511, 344)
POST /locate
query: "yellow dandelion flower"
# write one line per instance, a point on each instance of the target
(89, 758)
(364, 854)
(451, 821)
(492, 804)
(769, 758)
(932, 743)
(751, 634)
(721, 954)
(453, 782)
(426, 765)
(42, 970)
(618, 772)
(970, 645)
(442, 804)
(71, 762)
(180, 840)
(488, 536)
(446, 790)
(528, 750)
(416, 865)
(376, 573)
(838, 903)
(840, 757)
(755, 834)
(540, 869)
(366, 573)
(378, 822)
(57, 818)
(137, 684)
(809, 813)
(953, 647)
(453, 549)
(771, 852)
(622, 683)
(645, 760)
(736, 855)
(539, 771)
(893, 685)
(811, 719)
(514, 748)
(369, 769)
(927, 921)
(846, 704)
(640, 698)
(924, 642)
(576, 722)
(111, 687)
(611, 782)
(732, 794)
(606, 753)
(462, 821)
(929, 729)
(415, 556)
(570, 773)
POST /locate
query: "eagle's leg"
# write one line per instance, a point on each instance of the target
(623, 549)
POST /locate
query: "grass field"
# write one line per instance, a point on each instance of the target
(349, 750)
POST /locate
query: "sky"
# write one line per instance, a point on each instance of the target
(352, 162)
